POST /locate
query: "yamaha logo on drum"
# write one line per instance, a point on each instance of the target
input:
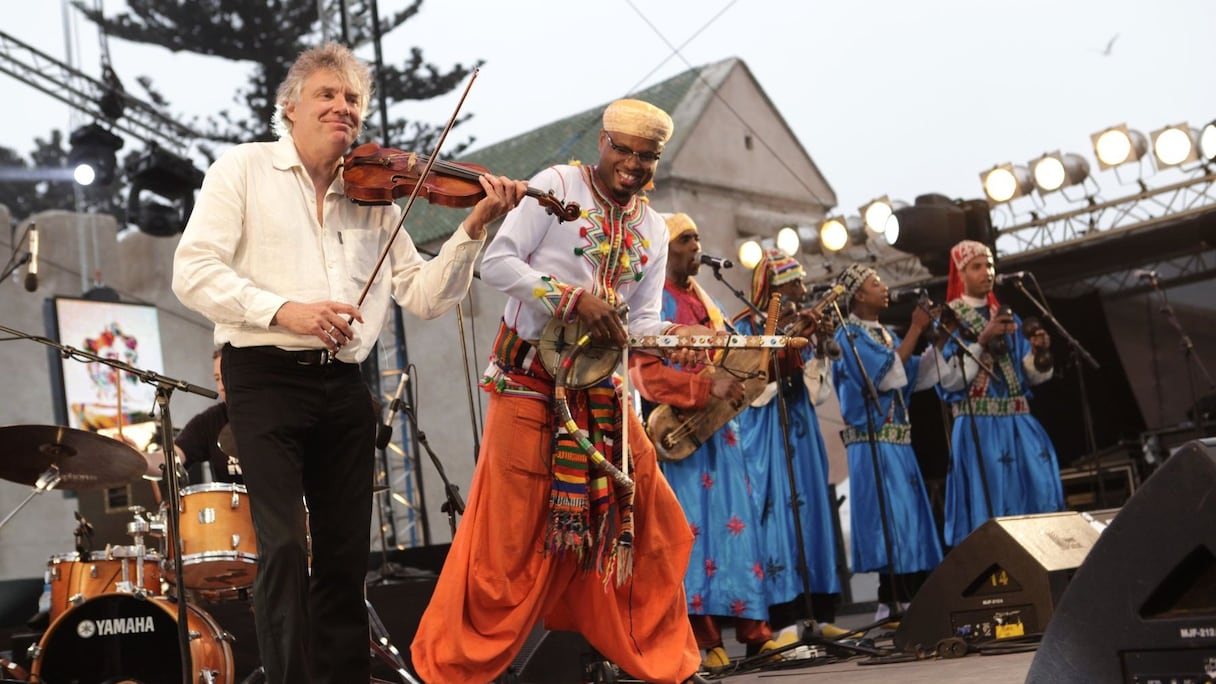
(133, 625)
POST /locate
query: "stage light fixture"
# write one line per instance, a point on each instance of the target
(1175, 145)
(161, 173)
(91, 156)
(834, 233)
(750, 253)
(890, 231)
(1055, 170)
(788, 240)
(877, 212)
(1118, 145)
(1005, 182)
(1207, 142)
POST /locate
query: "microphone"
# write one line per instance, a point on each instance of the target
(906, 295)
(1016, 276)
(384, 431)
(716, 262)
(31, 271)
(1140, 273)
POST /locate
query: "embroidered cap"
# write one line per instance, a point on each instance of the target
(962, 253)
(852, 278)
(635, 117)
(774, 269)
(678, 224)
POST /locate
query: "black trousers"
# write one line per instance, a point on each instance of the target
(306, 434)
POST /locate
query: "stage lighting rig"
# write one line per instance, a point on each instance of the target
(92, 154)
(750, 252)
(788, 240)
(1207, 142)
(1056, 171)
(1118, 145)
(1005, 182)
(168, 176)
(834, 233)
(1175, 145)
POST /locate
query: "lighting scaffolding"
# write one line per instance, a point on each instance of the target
(1144, 209)
(139, 119)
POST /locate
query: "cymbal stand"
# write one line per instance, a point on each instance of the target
(164, 389)
(46, 481)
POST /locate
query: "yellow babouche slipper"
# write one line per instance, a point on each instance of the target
(716, 659)
(829, 631)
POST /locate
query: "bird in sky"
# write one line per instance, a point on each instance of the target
(1110, 44)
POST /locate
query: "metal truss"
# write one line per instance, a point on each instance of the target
(1145, 210)
(139, 119)
(1181, 270)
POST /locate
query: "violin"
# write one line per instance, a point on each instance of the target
(378, 175)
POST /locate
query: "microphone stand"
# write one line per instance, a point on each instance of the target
(739, 294)
(164, 390)
(809, 638)
(1188, 351)
(1078, 354)
(870, 394)
(808, 634)
(454, 505)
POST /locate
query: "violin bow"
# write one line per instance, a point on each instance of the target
(422, 176)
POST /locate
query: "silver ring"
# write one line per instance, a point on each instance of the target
(331, 330)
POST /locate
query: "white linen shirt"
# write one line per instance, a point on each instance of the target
(253, 243)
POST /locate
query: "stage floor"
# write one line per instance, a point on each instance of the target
(1008, 668)
(995, 669)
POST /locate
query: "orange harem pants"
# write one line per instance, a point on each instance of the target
(498, 581)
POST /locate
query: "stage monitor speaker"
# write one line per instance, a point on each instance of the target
(1003, 580)
(1142, 607)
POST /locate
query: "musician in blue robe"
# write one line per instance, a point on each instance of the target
(764, 443)
(895, 373)
(1018, 474)
(725, 577)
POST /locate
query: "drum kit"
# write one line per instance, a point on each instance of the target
(113, 612)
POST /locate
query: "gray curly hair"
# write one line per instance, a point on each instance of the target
(332, 56)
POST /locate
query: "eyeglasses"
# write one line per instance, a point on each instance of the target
(644, 157)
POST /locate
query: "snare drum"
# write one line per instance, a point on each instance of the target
(219, 550)
(117, 569)
(124, 638)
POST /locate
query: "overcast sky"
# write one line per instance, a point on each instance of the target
(887, 96)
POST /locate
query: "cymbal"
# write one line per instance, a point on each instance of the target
(86, 460)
